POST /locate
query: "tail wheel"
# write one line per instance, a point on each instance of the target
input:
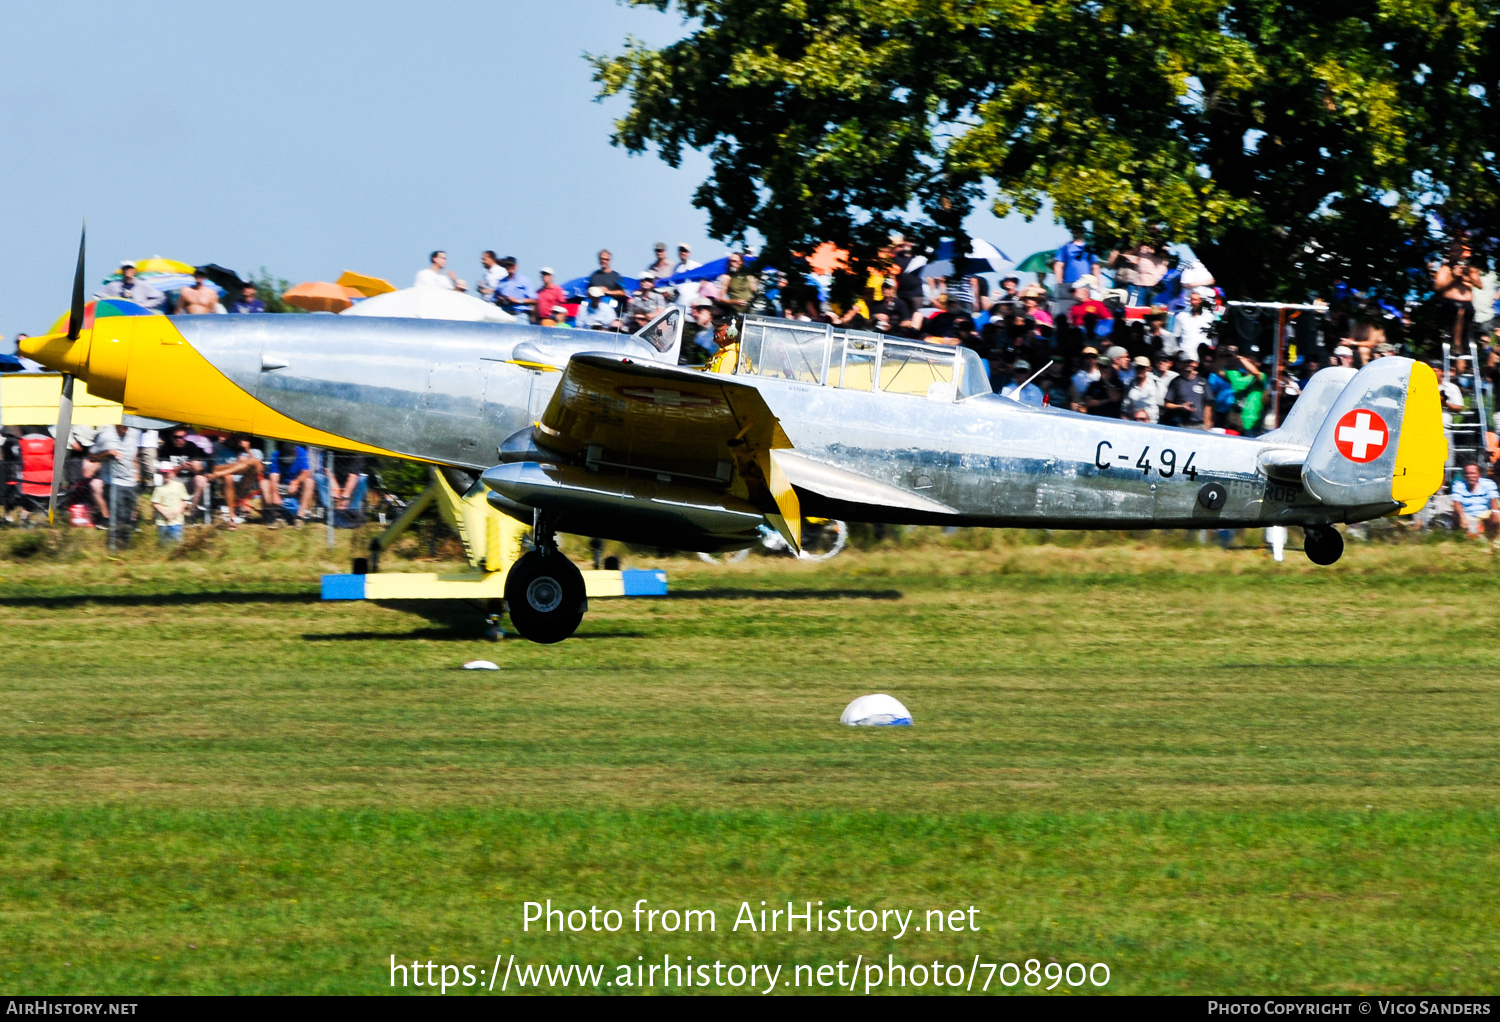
(546, 597)
(822, 538)
(1322, 544)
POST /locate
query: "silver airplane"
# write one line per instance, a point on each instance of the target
(604, 435)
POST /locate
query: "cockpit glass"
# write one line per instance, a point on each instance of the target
(972, 379)
(917, 369)
(785, 349)
(661, 332)
(858, 360)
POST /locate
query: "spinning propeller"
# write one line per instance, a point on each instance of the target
(65, 404)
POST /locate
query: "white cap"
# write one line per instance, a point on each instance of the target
(545, 269)
(683, 244)
(1203, 292)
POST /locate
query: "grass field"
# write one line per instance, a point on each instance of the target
(1211, 772)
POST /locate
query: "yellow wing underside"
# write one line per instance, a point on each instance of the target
(616, 414)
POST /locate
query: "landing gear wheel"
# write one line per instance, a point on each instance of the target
(822, 540)
(1322, 544)
(546, 596)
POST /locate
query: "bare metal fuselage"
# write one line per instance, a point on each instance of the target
(451, 393)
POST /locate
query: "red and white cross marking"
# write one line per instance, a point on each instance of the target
(1361, 435)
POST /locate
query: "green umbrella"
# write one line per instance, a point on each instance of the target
(1037, 262)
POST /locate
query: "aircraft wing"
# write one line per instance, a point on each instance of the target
(611, 413)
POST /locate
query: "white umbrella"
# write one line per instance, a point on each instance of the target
(430, 303)
(983, 257)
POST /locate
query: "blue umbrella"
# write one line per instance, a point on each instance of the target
(708, 271)
(578, 287)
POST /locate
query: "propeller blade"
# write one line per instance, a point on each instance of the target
(60, 444)
(75, 315)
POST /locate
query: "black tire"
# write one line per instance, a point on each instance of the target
(1323, 544)
(546, 597)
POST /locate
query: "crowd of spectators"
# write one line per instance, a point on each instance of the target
(185, 476)
(1141, 333)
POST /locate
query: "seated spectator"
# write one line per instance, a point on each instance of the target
(129, 288)
(1476, 503)
(1031, 305)
(343, 490)
(190, 462)
(558, 317)
(1085, 306)
(1086, 375)
(201, 299)
(238, 466)
(1104, 395)
(289, 484)
(858, 317)
(1453, 396)
(1008, 301)
(1144, 394)
(699, 335)
(1021, 390)
(942, 326)
(598, 311)
(1157, 338)
(170, 502)
(549, 298)
(647, 299)
(248, 302)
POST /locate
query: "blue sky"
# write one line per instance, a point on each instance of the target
(311, 138)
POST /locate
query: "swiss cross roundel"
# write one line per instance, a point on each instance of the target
(1361, 435)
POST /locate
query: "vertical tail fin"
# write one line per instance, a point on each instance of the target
(1382, 442)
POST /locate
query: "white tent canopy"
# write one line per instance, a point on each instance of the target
(430, 303)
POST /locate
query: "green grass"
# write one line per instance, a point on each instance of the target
(1210, 771)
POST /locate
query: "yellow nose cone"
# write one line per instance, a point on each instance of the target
(58, 353)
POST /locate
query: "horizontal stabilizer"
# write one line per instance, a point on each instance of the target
(1282, 464)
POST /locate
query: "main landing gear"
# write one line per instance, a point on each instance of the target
(544, 591)
(1322, 543)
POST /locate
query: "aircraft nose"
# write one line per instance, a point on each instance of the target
(58, 353)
